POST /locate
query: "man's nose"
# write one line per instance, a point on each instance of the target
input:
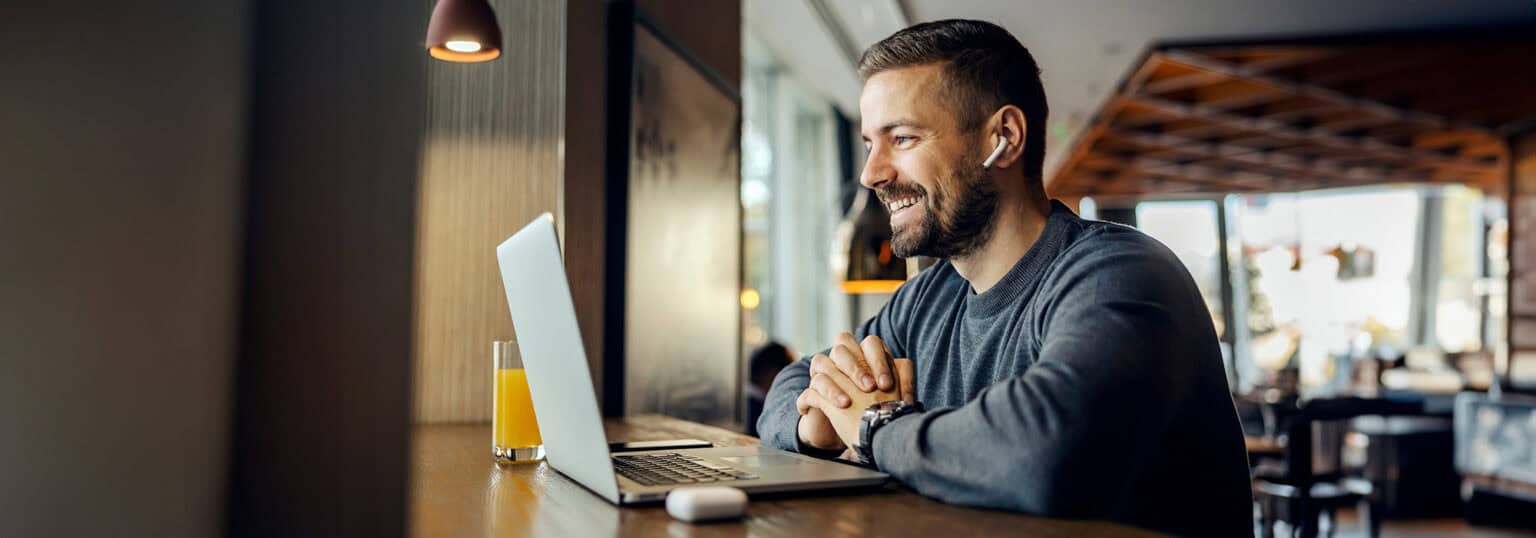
(877, 170)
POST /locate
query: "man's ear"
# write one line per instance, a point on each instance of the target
(1008, 123)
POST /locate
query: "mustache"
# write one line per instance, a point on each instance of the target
(886, 194)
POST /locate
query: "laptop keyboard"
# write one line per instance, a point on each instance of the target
(671, 468)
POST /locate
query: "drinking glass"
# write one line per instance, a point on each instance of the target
(514, 430)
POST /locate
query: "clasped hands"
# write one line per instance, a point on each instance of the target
(844, 382)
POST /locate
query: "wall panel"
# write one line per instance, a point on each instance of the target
(491, 162)
(323, 408)
(121, 177)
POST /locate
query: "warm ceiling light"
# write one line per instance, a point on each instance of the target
(863, 257)
(462, 46)
(464, 31)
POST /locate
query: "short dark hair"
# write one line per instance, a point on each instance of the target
(985, 68)
(768, 360)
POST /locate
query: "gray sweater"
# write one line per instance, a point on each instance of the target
(1086, 384)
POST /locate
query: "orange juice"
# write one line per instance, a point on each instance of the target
(515, 426)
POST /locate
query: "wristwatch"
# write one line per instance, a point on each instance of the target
(877, 415)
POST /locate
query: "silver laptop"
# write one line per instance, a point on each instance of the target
(566, 405)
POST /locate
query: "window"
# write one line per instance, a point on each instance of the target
(1464, 282)
(1331, 275)
(790, 199)
(1189, 229)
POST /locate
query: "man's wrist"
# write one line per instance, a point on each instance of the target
(812, 451)
(805, 447)
(876, 418)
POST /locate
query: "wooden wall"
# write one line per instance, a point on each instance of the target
(492, 159)
(491, 162)
(712, 30)
(322, 422)
(1522, 260)
(583, 216)
(121, 176)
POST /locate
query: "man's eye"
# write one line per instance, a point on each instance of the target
(902, 140)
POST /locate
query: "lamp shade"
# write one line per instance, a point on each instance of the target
(862, 255)
(464, 31)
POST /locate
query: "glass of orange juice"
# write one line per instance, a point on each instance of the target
(514, 430)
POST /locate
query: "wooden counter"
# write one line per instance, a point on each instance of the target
(457, 491)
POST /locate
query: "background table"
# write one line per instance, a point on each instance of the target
(458, 491)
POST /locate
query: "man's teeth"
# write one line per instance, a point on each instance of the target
(899, 204)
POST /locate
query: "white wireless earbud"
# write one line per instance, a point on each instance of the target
(1002, 144)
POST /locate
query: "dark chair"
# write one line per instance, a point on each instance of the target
(1293, 490)
(1262, 450)
(1305, 508)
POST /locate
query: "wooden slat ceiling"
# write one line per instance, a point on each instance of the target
(1309, 115)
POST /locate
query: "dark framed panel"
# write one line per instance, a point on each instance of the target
(1521, 321)
(672, 328)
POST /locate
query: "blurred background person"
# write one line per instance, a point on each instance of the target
(763, 366)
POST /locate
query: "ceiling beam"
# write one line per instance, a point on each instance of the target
(1492, 68)
(1268, 58)
(1371, 62)
(1181, 82)
(1138, 174)
(1084, 143)
(1309, 90)
(1150, 174)
(1284, 132)
(1275, 163)
(1255, 117)
(1514, 91)
(1347, 122)
(1298, 108)
(1237, 93)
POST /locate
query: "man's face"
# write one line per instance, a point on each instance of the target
(923, 167)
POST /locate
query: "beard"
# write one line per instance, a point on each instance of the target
(950, 225)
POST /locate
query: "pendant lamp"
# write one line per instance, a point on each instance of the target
(464, 31)
(862, 257)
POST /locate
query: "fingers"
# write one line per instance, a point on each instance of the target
(846, 339)
(823, 392)
(878, 359)
(862, 361)
(808, 401)
(822, 364)
(906, 375)
(850, 360)
(829, 390)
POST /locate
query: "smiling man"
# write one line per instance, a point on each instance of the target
(1047, 364)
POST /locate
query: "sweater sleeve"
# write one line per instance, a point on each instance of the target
(1059, 439)
(779, 422)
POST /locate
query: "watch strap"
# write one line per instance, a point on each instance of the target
(873, 420)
